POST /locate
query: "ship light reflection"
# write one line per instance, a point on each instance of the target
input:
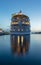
(20, 44)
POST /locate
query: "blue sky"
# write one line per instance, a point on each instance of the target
(32, 8)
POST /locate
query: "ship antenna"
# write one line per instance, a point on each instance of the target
(20, 12)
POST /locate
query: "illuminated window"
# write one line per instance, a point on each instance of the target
(23, 22)
(17, 17)
(27, 23)
(21, 29)
(13, 29)
(14, 23)
(18, 29)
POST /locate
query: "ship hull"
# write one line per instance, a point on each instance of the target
(20, 33)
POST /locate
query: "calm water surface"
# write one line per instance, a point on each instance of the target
(27, 51)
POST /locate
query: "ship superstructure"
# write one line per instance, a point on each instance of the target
(20, 24)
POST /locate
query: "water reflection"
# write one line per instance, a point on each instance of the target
(20, 44)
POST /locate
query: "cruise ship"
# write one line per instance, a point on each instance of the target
(20, 24)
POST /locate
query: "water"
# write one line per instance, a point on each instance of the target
(27, 51)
